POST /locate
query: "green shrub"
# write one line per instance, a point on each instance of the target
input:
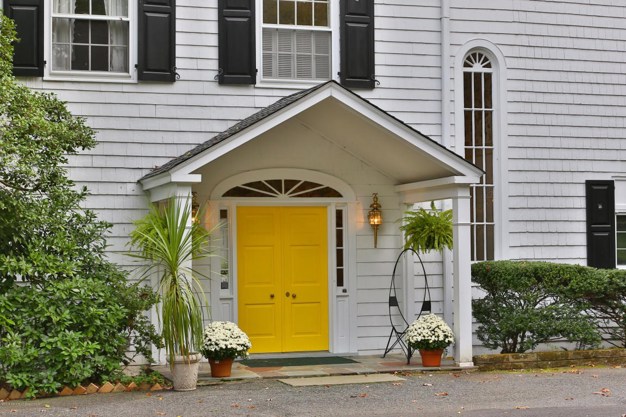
(525, 304)
(604, 294)
(68, 331)
(66, 313)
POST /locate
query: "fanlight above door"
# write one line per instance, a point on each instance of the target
(283, 188)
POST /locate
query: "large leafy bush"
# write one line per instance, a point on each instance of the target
(604, 293)
(66, 313)
(71, 330)
(525, 304)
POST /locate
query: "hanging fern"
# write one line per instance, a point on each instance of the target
(427, 230)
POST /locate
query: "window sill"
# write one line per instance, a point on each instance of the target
(289, 84)
(91, 78)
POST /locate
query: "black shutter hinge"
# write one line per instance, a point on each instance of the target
(373, 78)
(176, 73)
(220, 72)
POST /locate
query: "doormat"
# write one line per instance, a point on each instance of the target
(278, 362)
(341, 379)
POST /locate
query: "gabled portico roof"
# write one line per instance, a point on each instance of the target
(363, 128)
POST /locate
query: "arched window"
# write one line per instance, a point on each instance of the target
(479, 149)
(282, 188)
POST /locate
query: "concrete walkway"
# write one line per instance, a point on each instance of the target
(364, 365)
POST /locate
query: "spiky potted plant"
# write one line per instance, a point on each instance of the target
(169, 242)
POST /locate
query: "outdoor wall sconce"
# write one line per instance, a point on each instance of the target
(375, 217)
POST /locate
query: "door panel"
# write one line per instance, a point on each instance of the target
(283, 251)
(258, 266)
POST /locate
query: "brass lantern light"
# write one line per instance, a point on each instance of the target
(375, 217)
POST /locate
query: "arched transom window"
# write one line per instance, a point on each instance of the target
(283, 188)
(479, 149)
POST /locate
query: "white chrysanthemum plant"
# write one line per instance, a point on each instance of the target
(429, 332)
(224, 339)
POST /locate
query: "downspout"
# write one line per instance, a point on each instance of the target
(447, 256)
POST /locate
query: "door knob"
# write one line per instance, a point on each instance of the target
(293, 295)
(287, 294)
(271, 295)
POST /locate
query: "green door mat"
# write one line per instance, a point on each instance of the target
(277, 362)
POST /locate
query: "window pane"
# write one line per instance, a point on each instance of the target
(81, 31)
(480, 239)
(320, 14)
(270, 11)
(339, 219)
(621, 240)
(488, 128)
(339, 237)
(489, 166)
(61, 57)
(99, 58)
(118, 59)
(340, 279)
(97, 7)
(286, 12)
(478, 90)
(63, 6)
(489, 191)
(61, 29)
(80, 57)
(81, 7)
(490, 244)
(339, 257)
(99, 33)
(305, 13)
(478, 128)
(621, 257)
(621, 223)
(488, 91)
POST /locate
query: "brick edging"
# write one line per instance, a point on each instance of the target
(106, 388)
(551, 359)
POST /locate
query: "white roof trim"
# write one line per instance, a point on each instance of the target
(438, 189)
(183, 171)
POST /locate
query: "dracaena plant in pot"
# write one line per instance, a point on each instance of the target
(169, 241)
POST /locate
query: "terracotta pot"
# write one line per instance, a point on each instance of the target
(431, 357)
(185, 372)
(221, 368)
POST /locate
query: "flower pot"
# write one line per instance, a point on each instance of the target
(431, 357)
(221, 368)
(185, 372)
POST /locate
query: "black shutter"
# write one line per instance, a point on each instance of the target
(600, 199)
(357, 43)
(28, 50)
(157, 40)
(237, 51)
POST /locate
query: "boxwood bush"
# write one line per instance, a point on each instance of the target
(527, 303)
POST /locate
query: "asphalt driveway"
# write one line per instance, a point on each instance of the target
(572, 392)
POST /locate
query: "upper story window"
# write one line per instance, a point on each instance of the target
(90, 36)
(479, 150)
(296, 39)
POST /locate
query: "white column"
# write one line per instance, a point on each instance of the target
(462, 279)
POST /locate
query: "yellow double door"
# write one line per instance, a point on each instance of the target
(282, 270)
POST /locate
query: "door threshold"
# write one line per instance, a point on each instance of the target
(315, 354)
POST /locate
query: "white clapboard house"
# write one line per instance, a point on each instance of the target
(284, 117)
